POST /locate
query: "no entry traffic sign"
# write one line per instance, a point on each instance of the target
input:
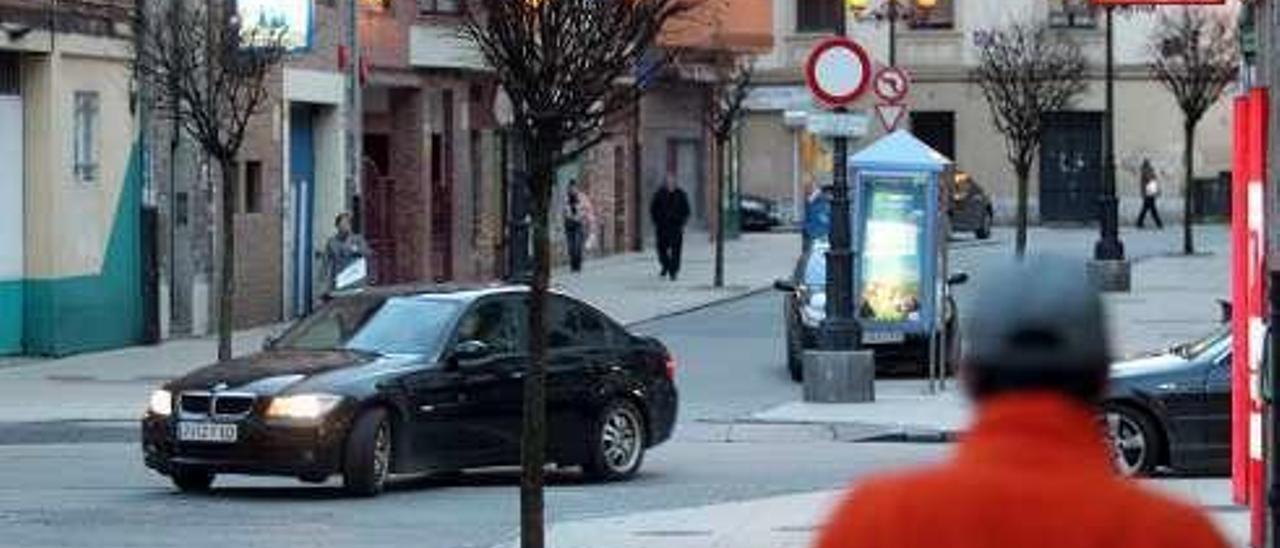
(837, 71)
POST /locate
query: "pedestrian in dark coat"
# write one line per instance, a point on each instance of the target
(670, 212)
(575, 225)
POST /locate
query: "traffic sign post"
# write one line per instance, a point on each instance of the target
(890, 115)
(838, 72)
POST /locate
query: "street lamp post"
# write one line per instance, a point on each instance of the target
(1109, 246)
(892, 12)
(840, 331)
(1109, 270)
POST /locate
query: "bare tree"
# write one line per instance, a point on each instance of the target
(1195, 56)
(570, 69)
(732, 82)
(209, 74)
(1025, 71)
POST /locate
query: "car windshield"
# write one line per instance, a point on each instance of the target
(1196, 348)
(398, 325)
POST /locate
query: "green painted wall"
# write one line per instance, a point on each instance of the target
(11, 317)
(69, 315)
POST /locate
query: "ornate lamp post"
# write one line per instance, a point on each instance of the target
(892, 11)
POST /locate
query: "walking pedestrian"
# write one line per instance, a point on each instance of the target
(669, 211)
(1035, 468)
(575, 225)
(344, 248)
(1150, 191)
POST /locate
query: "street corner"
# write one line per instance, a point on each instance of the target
(913, 418)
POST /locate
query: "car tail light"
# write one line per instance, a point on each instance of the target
(671, 367)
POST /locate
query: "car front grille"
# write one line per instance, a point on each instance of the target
(196, 404)
(217, 404)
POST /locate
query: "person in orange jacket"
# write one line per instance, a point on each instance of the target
(1034, 470)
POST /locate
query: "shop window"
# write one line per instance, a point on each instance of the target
(85, 136)
(252, 187)
(941, 16)
(441, 6)
(1072, 14)
(818, 15)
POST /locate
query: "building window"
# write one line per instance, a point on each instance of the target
(941, 16)
(441, 6)
(818, 15)
(85, 136)
(10, 74)
(180, 213)
(1072, 14)
(252, 192)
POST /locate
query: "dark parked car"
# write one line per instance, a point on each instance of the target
(971, 209)
(804, 308)
(1173, 409)
(758, 214)
(409, 380)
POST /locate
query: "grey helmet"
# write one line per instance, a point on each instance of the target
(1041, 313)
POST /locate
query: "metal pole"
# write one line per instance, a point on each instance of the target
(840, 331)
(893, 33)
(355, 111)
(1109, 247)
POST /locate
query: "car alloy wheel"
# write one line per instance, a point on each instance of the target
(1131, 440)
(367, 461)
(620, 443)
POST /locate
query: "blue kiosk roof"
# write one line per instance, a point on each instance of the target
(900, 151)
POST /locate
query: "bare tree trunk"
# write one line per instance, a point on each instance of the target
(1020, 244)
(720, 211)
(533, 438)
(1188, 193)
(226, 280)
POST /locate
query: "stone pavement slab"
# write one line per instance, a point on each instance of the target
(792, 521)
(627, 286)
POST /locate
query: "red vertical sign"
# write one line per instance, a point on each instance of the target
(1239, 310)
(1247, 295)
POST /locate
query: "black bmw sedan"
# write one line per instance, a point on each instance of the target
(1173, 409)
(415, 380)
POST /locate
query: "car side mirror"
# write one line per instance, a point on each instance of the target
(470, 351)
(787, 286)
(959, 278)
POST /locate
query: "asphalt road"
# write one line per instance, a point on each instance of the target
(85, 485)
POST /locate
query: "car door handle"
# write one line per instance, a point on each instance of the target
(516, 375)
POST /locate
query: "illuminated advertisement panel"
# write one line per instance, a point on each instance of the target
(895, 244)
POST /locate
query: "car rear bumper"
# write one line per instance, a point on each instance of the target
(262, 448)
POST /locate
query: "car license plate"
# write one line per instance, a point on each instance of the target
(883, 337)
(207, 432)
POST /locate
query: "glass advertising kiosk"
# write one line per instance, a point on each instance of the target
(900, 235)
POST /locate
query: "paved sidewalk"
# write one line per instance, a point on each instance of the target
(792, 521)
(112, 386)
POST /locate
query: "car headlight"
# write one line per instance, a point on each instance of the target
(303, 406)
(161, 403)
(814, 309)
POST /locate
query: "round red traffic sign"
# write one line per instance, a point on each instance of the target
(837, 71)
(891, 84)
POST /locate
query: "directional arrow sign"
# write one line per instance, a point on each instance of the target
(890, 115)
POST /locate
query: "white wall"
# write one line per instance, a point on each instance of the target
(11, 189)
